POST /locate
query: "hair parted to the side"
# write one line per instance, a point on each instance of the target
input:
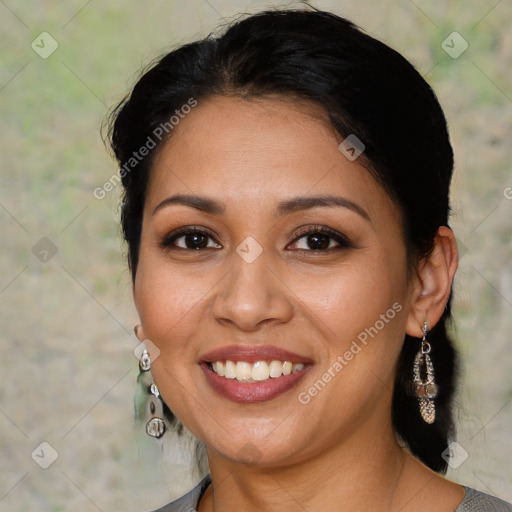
(367, 89)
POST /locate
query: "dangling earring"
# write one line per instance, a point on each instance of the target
(425, 387)
(155, 427)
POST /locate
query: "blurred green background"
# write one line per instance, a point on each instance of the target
(66, 363)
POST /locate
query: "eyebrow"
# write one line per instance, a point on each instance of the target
(288, 206)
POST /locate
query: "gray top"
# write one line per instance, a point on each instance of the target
(474, 501)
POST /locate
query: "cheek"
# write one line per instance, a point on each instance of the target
(167, 300)
(168, 305)
(360, 311)
(350, 298)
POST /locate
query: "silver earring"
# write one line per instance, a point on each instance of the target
(425, 387)
(155, 427)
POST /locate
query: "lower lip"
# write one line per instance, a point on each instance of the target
(252, 392)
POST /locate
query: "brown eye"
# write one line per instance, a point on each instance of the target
(321, 239)
(194, 240)
(318, 241)
(189, 239)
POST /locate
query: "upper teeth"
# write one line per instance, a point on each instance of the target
(261, 370)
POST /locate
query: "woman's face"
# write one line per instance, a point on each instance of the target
(250, 283)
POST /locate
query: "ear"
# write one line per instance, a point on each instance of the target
(139, 332)
(433, 283)
(138, 329)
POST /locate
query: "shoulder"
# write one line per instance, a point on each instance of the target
(189, 501)
(476, 501)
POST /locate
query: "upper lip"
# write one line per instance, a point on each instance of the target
(253, 353)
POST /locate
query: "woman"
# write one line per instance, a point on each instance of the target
(286, 212)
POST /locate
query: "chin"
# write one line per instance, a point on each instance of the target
(257, 452)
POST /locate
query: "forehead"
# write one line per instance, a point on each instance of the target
(258, 152)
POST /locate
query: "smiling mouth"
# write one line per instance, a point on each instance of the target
(260, 371)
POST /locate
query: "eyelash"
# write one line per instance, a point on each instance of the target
(342, 240)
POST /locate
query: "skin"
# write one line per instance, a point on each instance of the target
(340, 447)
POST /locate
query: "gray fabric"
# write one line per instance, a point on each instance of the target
(189, 501)
(474, 501)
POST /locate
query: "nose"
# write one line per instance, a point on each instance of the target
(252, 294)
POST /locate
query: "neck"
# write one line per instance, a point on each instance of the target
(362, 472)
